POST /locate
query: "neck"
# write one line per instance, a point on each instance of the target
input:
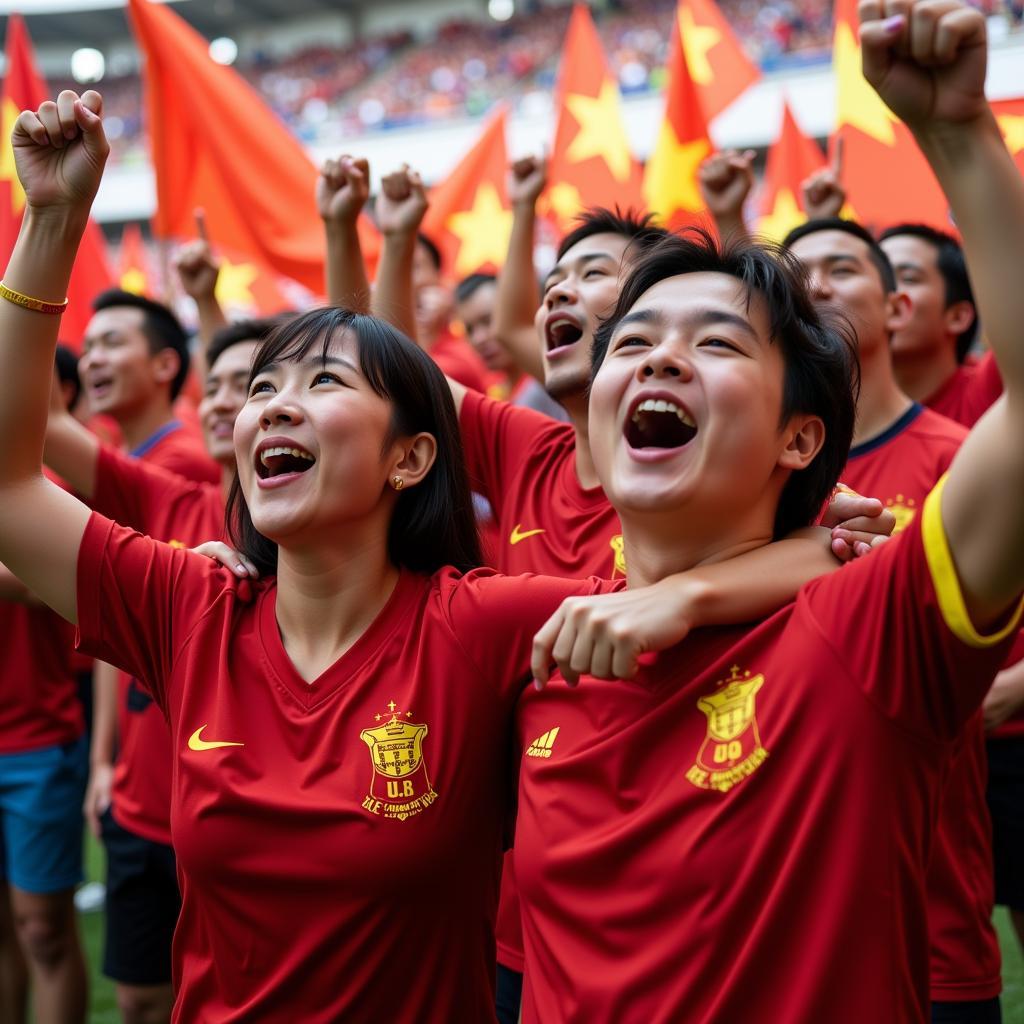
(327, 596)
(881, 402)
(577, 409)
(140, 424)
(921, 374)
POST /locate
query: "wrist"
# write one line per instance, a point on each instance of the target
(955, 138)
(63, 221)
(340, 225)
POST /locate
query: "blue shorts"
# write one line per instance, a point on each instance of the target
(41, 794)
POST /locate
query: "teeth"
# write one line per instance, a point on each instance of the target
(659, 405)
(296, 452)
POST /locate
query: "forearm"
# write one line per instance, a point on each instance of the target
(732, 228)
(519, 296)
(347, 285)
(72, 452)
(104, 714)
(211, 320)
(393, 298)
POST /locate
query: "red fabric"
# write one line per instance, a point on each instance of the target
(1013, 728)
(167, 507)
(457, 360)
(965, 961)
(795, 888)
(181, 451)
(315, 887)
(969, 392)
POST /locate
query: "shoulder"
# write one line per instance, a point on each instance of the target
(938, 428)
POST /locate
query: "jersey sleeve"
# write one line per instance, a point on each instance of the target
(898, 625)
(497, 438)
(496, 617)
(139, 599)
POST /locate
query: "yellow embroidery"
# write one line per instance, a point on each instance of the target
(541, 746)
(732, 747)
(618, 548)
(904, 509)
(175, 544)
(516, 536)
(400, 787)
(195, 742)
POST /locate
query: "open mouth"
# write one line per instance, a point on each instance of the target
(561, 333)
(280, 461)
(657, 423)
(99, 386)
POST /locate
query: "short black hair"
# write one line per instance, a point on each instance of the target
(433, 524)
(67, 370)
(238, 332)
(953, 268)
(468, 286)
(822, 374)
(431, 249)
(632, 224)
(161, 327)
(850, 227)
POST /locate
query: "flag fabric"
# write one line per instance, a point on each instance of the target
(1010, 117)
(591, 163)
(670, 179)
(470, 219)
(133, 263)
(24, 89)
(719, 66)
(887, 180)
(792, 158)
(216, 145)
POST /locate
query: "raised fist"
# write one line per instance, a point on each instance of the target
(823, 192)
(198, 269)
(725, 181)
(926, 59)
(342, 189)
(527, 178)
(402, 202)
(60, 150)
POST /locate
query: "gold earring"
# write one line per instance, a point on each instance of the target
(397, 482)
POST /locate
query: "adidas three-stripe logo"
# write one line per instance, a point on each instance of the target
(541, 746)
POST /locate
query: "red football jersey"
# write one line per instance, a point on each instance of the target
(742, 831)
(456, 359)
(170, 508)
(338, 841)
(179, 449)
(969, 391)
(901, 467)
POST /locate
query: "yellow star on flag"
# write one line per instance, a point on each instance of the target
(134, 280)
(564, 200)
(698, 40)
(1012, 128)
(601, 130)
(785, 215)
(859, 105)
(483, 231)
(234, 284)
(671, 180)
(8, 172)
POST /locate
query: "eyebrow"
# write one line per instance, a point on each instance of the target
(309, 361)
(697, 319)
(583, 261)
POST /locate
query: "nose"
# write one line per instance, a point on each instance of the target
(279, 409)
(819, 285)
(560, 294)
(665, 361)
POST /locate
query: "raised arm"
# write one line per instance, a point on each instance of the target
(725, 181)
(927, 60)
(59, 153)
(341, 194)
(823, 192)
(71, 450)
(518, 292)
(198, 270)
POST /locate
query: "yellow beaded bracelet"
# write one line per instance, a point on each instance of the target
(27, 302)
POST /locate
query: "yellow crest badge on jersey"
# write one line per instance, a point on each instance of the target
(400, 786)
(619, 551)
(904, 509)
(732, 748)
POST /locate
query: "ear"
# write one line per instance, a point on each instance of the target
(959, 316)
(415, 457)
(899, 309)
(166, 364)
(804, 437)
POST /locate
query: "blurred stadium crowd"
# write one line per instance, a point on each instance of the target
(326, 94)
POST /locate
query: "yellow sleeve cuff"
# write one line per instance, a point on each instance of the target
(946, 581)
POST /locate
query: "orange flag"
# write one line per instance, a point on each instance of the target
(591, 163)
(216, 145)
(792, 158)
(718, 64)
(24, 89)
(134, 273)
(469, 218)
(1010, 116)
(887, 180)
(670, 180)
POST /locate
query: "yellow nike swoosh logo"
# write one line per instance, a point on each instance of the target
(196, 743)
(516, 536)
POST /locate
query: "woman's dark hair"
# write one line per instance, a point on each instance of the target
(433, 524)
(822, 375)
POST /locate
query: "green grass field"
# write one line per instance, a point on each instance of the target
(103, 1009)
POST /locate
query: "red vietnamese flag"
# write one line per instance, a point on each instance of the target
(469, 218)
(134, 272)
(792, 158)
(591, 163)
(670, 179)
(24, 89)
(216, 145)
(718, 64)
(1010, 117)
(886, 178)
